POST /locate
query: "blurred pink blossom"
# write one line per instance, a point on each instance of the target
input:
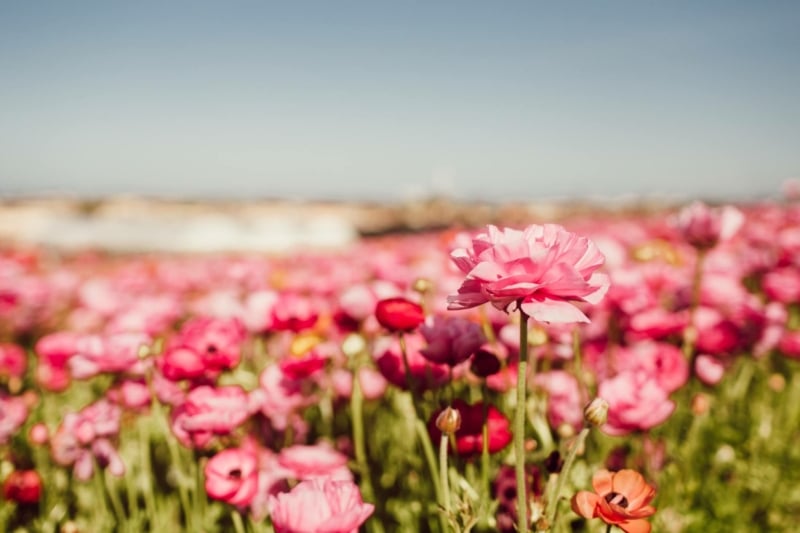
(232, 477)
(636, 402)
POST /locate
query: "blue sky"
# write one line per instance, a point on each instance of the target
(388, 100)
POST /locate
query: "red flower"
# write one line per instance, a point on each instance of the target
(469, 437)
(620, 498)
(23, 486)
(399, 314)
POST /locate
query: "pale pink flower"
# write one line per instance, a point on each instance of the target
(373, 384)
(279, 397)
(636, 402)
(564, 399)
(709, 369)
(13, 413)
(320, 506)
(541, 270)
(783, 284)
(232, 477)
(209, 411)
(317, 461)
(96, 354)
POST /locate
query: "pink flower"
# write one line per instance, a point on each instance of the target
(209, 411)
(232, 477)
(564, 399)
(318, 461)
(709, 369)
(703, 227)
(13, 413)
(425, 375)
(636, 402)
(399, 314)
(320, 506)
(204, 347)
(12, 361)
(97, 354)
(540, 270)
(451, 340)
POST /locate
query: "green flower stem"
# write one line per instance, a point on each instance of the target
(199, 490)
(519, 425)
(357, 412)
(113, 496)
(238, 524)
(553, 499)
(147, 470)
(443, 475)
(487, 496)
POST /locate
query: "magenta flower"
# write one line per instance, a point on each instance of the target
(703, 227)
(320, 506)
(203, 348)
(209, 411)
(12, 361)
(232, 477)
(541, 270)
(451, 340)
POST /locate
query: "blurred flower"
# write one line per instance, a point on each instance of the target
(209, 411)
(13, 413)
(469, 437)
(636, 402)
(23, 487)
(232, 477)
(619, 498)
(319, 506)
(389, 359)
(399, 314)
(703, 227)
(12, 361)
(96, 354)
(451, 340)
(314, 461)
(203, 348)
(540, 270)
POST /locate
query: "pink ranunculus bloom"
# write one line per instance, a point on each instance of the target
(783, 284)
(209, 411)
(54, 351)
(451, 340)
(636, 402)
(709, 369)
(111, 353)
(204, 347)
(295, 312)
(541, 270)
(564, 399)
(13, 413)
(789, 345)
(320, 506)
(232, 477)
(663, 362)
(132, 394)
(703, 227)
(715, 333)
(373, 384)
(317, 461)
(12, 361)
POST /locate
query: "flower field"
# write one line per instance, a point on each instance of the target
(619, 373)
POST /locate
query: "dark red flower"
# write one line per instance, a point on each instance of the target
(399, 314)
(469, 437)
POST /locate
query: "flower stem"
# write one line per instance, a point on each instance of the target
(519, 426)
(443, 473)
(236, 517)
(552, 501)
(690, 333)
(357, 412)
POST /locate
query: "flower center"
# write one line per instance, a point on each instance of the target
(615, 498)
(236, 473)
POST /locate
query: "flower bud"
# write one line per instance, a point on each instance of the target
(353, 345)
(596, 412)
(422, 285)
(448, 421)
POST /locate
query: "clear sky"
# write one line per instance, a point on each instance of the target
(386, 100)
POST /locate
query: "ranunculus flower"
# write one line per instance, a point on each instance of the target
(204, 347)
(451, 340)
(469, 437)
(703, 227)
(619, 498)
(209, 411)
(320, 506)
(425, 375)
(12, 361)
(23, 486)
(13, 413)
(232, 477)
(399, 314)
(318, 461)
(636, 402)
(541, 270)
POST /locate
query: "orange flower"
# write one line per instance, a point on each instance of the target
(619, 498)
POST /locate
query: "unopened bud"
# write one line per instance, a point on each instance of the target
(448, 421)
(596, 413)
(353, 345)
(422, 285)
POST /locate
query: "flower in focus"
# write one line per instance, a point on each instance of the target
(451, 340)
(232, 477)
(320, 506)
(399, 314)
(704, 227)
(541, 270)
(619, 498)
(23, 486)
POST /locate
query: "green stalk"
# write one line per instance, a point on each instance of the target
(519, 425)
(690, 333)
(443, 473)
(238, 525)
(552, 501)
(357, 412)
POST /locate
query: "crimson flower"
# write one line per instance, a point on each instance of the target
(399, 314)
(23, 486)
(469, 437)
